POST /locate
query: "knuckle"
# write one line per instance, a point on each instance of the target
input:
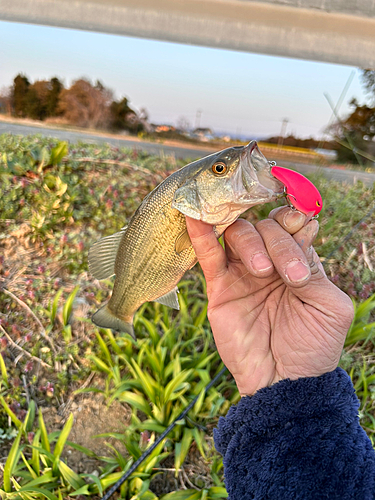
(279, 245)
(205, 246)
(200, 239)
(240, 226)
(247, 239)
(348, 308)
(209, 252)
(265, 224)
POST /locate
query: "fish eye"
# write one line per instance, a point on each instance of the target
(219, 168)
(318, 204)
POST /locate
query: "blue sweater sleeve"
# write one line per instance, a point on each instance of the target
(298, 440)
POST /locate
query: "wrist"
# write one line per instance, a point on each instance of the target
(307, 399)
(250, 387)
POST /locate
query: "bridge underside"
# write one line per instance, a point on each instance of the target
(336, 31)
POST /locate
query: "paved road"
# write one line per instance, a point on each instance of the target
(179, 152)
(65, 135)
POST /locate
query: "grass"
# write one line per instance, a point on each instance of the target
(55, 202)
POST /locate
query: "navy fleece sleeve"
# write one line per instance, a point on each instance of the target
(298, 440)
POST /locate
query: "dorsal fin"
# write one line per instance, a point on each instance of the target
(102, 255)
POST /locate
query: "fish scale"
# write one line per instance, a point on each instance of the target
(151, 233)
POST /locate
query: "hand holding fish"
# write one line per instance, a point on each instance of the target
(273, 312)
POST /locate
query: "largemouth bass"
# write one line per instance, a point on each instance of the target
(151, 254)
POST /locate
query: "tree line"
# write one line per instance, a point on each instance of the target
(93, 106)
(82, 104)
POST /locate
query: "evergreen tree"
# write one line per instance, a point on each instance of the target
(53, 98)
(19, 95)
(368, 79)
(37, 100)
(33, 106)
(123, 117)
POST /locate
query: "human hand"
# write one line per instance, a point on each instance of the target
(273, 312)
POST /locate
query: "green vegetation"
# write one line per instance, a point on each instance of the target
(57, 367)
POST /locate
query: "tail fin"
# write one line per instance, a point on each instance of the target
(106, 319)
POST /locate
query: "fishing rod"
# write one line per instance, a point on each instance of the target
(149, 450)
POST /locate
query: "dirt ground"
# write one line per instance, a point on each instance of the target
(92, 416)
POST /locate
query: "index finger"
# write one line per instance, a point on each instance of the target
(208, 250)
(289, 218)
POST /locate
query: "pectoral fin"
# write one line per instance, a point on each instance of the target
(182, 242)
(102, 255)
(169, 299)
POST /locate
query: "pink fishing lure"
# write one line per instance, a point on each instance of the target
(300, 192)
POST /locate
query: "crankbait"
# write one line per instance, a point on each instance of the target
(299, 191)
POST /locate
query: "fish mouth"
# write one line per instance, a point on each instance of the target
(251, 184)
(258, 184)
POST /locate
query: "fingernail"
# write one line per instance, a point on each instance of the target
(296, 271)
(261, 262)
(293, 218)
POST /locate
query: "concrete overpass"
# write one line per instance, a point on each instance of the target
(336, 31)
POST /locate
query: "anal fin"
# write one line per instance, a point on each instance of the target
(169, 299)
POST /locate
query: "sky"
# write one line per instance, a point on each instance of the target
(236, 92)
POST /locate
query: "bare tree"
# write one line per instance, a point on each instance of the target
(183, 124)
(6, 100)
(85, 105)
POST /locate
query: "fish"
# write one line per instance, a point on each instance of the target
(299, 191)
(150, 255)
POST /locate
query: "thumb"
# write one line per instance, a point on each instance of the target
(208, 250)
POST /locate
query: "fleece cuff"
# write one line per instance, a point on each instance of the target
(273, 407)
(297, 440)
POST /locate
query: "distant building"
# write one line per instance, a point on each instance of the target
(328, 154)
(203, 134)
(226, 138)
(165, 128)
